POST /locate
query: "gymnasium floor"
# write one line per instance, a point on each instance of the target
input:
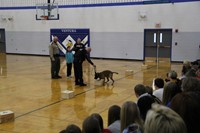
(27, 89)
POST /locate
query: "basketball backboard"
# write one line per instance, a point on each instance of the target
(47, 11)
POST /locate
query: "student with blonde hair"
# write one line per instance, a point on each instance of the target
(130, 118)
(161, 119)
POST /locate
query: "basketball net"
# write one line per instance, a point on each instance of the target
(44, 17)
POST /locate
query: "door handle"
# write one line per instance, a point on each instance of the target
(164, 46)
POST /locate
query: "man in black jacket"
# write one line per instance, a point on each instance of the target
(79, 57)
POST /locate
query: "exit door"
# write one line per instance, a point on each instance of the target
(157, 44)
(2, 41)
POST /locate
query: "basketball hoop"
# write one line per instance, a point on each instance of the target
(47, 11)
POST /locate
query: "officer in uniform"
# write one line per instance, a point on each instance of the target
(79, 57)
(55, 59)
(78, 45)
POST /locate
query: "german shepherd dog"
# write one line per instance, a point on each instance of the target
(104, 75)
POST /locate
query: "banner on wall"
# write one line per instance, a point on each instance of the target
(67, 35)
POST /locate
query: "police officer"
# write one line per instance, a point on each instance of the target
(79, 57)
(78, 45)
(55, 60)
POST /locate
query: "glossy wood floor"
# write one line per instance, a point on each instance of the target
(27, 89)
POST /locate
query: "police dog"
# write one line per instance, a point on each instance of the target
(104, 75)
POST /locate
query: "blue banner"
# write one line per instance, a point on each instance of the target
(70, 35)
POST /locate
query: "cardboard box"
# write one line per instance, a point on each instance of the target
(128, 72)
(67, 94)
(99, 82)
(145, 66)
(6, 116)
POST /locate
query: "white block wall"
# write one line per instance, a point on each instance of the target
(116, 31)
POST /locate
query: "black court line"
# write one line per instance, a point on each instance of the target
(74, 95)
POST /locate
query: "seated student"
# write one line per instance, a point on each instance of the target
(191, 73)
(184, 70)
(161, 119)
(130, 114)
(114, 119)
(170, 90)
(91, 125)
(140, 91)
(174, 78)
(133, 128)
(71, 129)
(198, 72)
(187, 63)
(149, 90)
(144, 99)
(187, 105)
(144, 105)
(196, 62)
(100, 120)
(159, 84)
(191, 84)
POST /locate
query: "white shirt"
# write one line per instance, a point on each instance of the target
(145, 94)
(158, 93)
(115, 127)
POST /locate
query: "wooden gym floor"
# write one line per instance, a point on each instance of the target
(27, 89)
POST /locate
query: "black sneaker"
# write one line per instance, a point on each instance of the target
(82, 84)
(59, 77)
(77, 83)
(54, 77)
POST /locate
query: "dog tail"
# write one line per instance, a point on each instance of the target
(115, 72)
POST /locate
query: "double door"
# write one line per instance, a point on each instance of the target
(157, 45)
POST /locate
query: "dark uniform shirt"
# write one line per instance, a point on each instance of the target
(78, 47)
(81, 55)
